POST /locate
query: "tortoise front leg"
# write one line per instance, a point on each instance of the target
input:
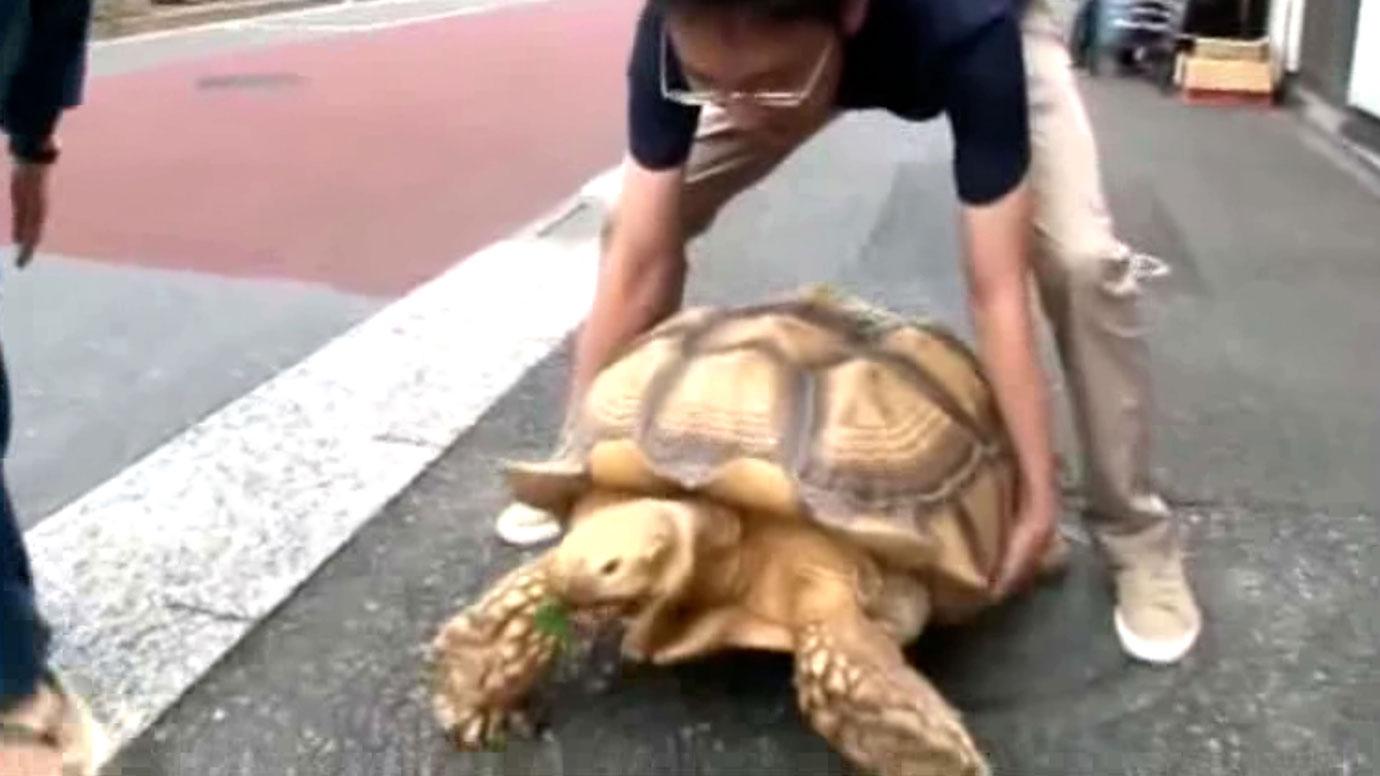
(486, 659)
(857, 690)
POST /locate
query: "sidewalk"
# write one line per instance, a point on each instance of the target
(1264, 338)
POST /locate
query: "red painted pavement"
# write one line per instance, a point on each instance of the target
(369, 162)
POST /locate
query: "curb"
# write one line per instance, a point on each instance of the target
(174, 18)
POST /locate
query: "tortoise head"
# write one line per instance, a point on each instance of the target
(619, 553)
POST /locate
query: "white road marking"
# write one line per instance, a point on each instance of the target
(382, 24)
(283, 20)
(374, 25)
(603, 189)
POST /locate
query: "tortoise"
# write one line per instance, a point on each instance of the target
(811, 475)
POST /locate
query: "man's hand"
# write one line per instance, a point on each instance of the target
(29, 200)
(997, 237)
(1036, 521)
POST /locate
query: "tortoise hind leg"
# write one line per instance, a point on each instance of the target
(857, 690)
(486, 659)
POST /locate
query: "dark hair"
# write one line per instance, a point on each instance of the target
(826, 11)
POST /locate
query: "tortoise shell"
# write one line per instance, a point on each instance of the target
(880, 429)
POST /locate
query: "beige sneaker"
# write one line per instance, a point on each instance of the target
(524, 526)
(1156, 617)
(59, 720)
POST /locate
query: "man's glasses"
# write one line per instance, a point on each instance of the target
(766, 98)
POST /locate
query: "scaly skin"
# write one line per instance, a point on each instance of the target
(486, 659)
(804, 593)
(857, 690)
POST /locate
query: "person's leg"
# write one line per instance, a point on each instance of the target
(1080, 35)
(45, 730)
(1090, 287)
(23, 635)
(724, 160)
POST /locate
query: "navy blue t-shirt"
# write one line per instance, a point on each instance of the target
(914, 58)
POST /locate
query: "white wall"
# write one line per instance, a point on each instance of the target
(1285, 31)
(1364, 92)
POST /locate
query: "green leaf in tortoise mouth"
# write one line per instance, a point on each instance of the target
(552, 619)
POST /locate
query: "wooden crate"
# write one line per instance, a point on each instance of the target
(1202, 74)
(1228, 99)
(1232, 49)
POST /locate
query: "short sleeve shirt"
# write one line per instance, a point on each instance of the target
(916, 59)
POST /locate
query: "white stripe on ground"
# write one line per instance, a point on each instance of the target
(284, 20)
(376, 25)
(602, 189)
(153, 576)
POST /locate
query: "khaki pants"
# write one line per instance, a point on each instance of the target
(1088, 282)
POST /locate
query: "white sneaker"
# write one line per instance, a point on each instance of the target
(524, 526)
(1156, 617)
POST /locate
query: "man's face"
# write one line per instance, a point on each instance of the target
(724, 53)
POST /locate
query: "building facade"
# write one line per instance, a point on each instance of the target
(1330, 54)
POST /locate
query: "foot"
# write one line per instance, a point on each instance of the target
(487, 658)
(1156, 618)
(1056, 558)
(51, 734)
(524, 526)
(21, 757)
(857, 691)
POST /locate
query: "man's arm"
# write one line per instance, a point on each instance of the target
(641, 270)
(48, 75)
(642, 267)
(997, 237)
(45, 77)
(988, 110)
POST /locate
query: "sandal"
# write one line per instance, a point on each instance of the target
(21, 744)
(69, 729)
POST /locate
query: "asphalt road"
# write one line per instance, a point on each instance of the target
(233, 198)
(1269, 397)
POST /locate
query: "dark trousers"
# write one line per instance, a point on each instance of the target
(1083, 38)
(23, 634)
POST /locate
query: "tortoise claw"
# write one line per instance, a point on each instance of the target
(488, 657)
(858, 692)
(491, 729)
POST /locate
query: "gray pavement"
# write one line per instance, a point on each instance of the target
(1264, 339)
(108, 362)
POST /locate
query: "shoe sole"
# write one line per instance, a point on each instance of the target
(1157, 651)
(524, 526)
